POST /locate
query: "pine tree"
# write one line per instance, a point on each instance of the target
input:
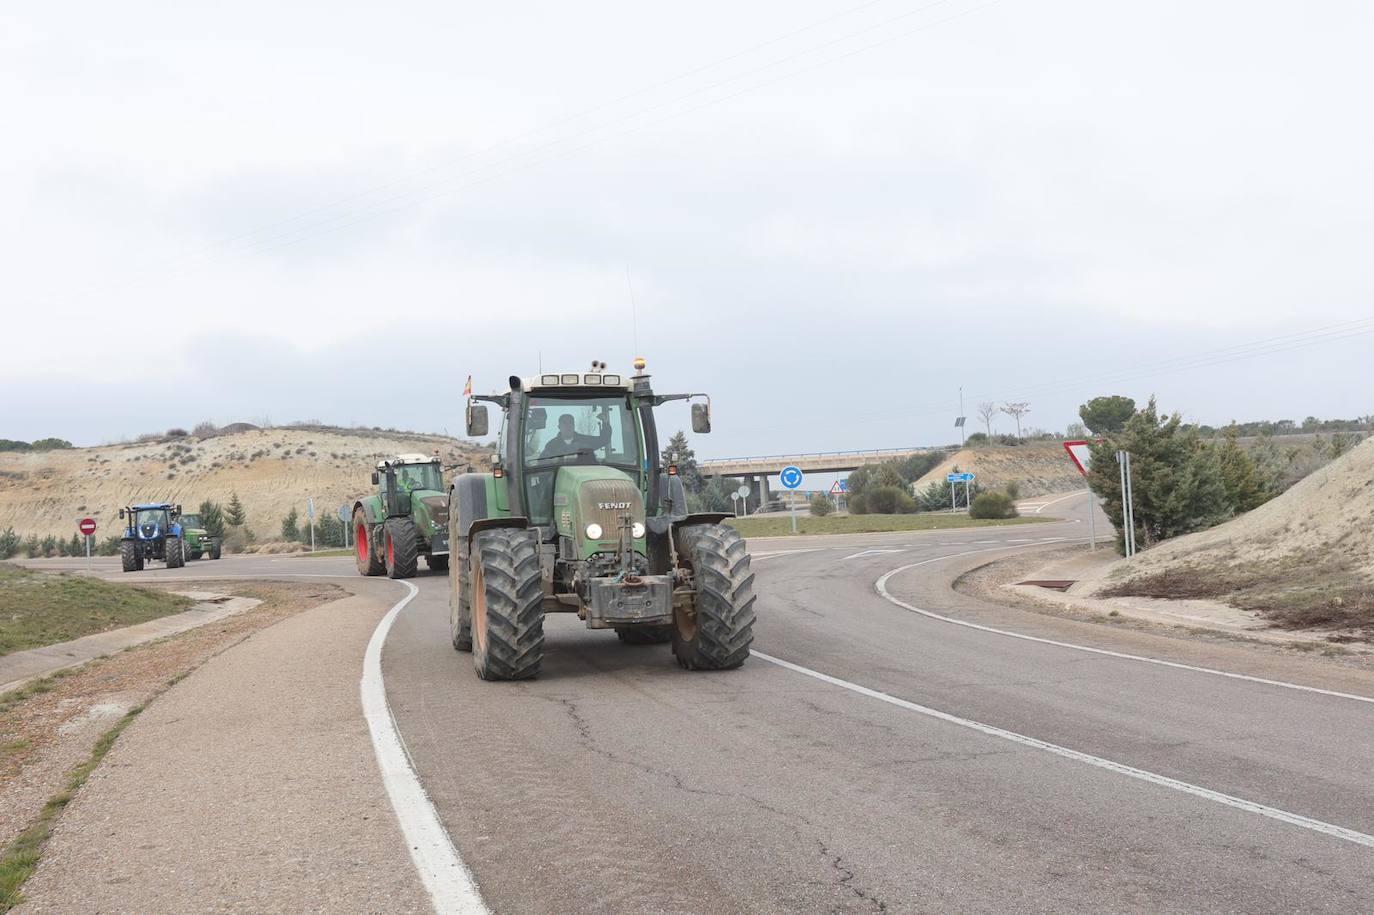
(687, 469)
(212, 518)
(290, 526)
(235, 514)
(1243, 481)
(76, 546)
(1174, 482)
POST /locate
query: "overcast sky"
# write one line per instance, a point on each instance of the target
(833, 213)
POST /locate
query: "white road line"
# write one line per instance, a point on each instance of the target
(881, 587)
(870, 553)
(449, 882)
(774, 554)
(1041, 506)
(1227, 800)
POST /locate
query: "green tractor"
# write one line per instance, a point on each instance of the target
(579, 515)
(197, 541)
(405, 519)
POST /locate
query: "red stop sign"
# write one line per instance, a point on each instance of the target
(86, 526)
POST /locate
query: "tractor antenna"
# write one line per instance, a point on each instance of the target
(634, 311)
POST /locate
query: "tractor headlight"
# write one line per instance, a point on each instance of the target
(637, 530)
(594, 531)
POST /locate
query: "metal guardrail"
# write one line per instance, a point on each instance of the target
(812, 455)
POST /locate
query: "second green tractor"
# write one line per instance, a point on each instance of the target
(404, 519)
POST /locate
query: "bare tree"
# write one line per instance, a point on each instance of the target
(1016, 411)
(987, 410)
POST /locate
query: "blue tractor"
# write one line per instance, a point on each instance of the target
(151, 532)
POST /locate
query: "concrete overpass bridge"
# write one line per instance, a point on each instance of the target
(755, 470)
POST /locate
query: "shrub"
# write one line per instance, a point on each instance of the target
(9, 543)
(51, 444)
(1013, 490)
(977, 438)
(888, 500)
(205, 429)
(177, 432)
(821, 506)
(992, 505)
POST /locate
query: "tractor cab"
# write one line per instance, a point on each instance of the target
(577, 482)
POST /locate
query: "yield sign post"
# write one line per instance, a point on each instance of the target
(1081, 455)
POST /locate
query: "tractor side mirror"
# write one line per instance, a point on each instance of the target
(477, 420)
(539, 418)
(177, 513)
(701, 418)
(376, 478)
(121, 513)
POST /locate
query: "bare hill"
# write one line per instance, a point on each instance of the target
(272, 470)
(1037, 467)
(1303, 558)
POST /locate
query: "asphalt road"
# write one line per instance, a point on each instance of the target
(938, 768)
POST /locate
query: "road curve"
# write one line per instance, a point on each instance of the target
(616, 782)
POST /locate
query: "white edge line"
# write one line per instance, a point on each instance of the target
(1044, 505)
(1339, 832)
(447, 879)
(881, 587)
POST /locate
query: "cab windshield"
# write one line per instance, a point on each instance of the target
(575, 430)
(411, 477)
(152, 516)
(192, 521)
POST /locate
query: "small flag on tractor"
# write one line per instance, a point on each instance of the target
(467, 388)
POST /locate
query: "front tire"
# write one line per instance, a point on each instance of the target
(402, 548)
(459, 611)
(507, 604)
(216, 550)
(363, 554)
(130, 556)
(718, 635)
(172, 550)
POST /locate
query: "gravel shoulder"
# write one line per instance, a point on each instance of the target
(249, 785)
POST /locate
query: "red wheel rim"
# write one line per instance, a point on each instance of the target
(390, 552)
(360, 539)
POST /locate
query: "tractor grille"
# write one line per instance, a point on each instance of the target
(602, 492)
(438, 509)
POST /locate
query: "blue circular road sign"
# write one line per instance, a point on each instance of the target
(791, 477)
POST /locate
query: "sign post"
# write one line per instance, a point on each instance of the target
(347, 527)
(1081, 455)
(1123, 458)
(837, 489)
(310, 518)
(791, 477)
(967, 480)
(87, 528)
(743, 493)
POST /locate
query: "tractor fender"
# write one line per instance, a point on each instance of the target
(369, 511)
(467, 504)
(701, 518)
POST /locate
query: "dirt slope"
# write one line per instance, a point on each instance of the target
(1037, 467)
(1327, 516)
(272, 470)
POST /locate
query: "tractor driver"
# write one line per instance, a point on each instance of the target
(570, 441)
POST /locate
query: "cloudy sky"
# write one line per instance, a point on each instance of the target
(832, 213)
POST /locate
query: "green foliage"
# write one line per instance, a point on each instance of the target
(49, 546)
(977, 438)
(32, 546)
(9, 543)
(894, 474)
(687, 468)
(821, 505)
(937, 496)
(329, 531)
(234, 515)
(212, 518)
(992, 505)
(886, 500)
(1245, 483)
(51, 444)
(1107, 415)
(1175, 483)
(290, 526)
(9, 444)
(76, 546)
(714, 496)
(109, 546)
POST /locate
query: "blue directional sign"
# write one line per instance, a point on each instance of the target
(791, 477)
(960, 478)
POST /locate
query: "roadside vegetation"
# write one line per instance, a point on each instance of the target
(44, 608)
(779, 524)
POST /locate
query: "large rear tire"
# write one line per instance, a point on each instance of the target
(645, 635)
(364, 555)
(460, 610)
(507, 604)
(216, 550)
(718, 635)
(130, 556)
(402, 548)
(172, 550)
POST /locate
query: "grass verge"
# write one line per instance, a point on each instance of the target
(780, 524)
(44, 608)
(20, 858)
